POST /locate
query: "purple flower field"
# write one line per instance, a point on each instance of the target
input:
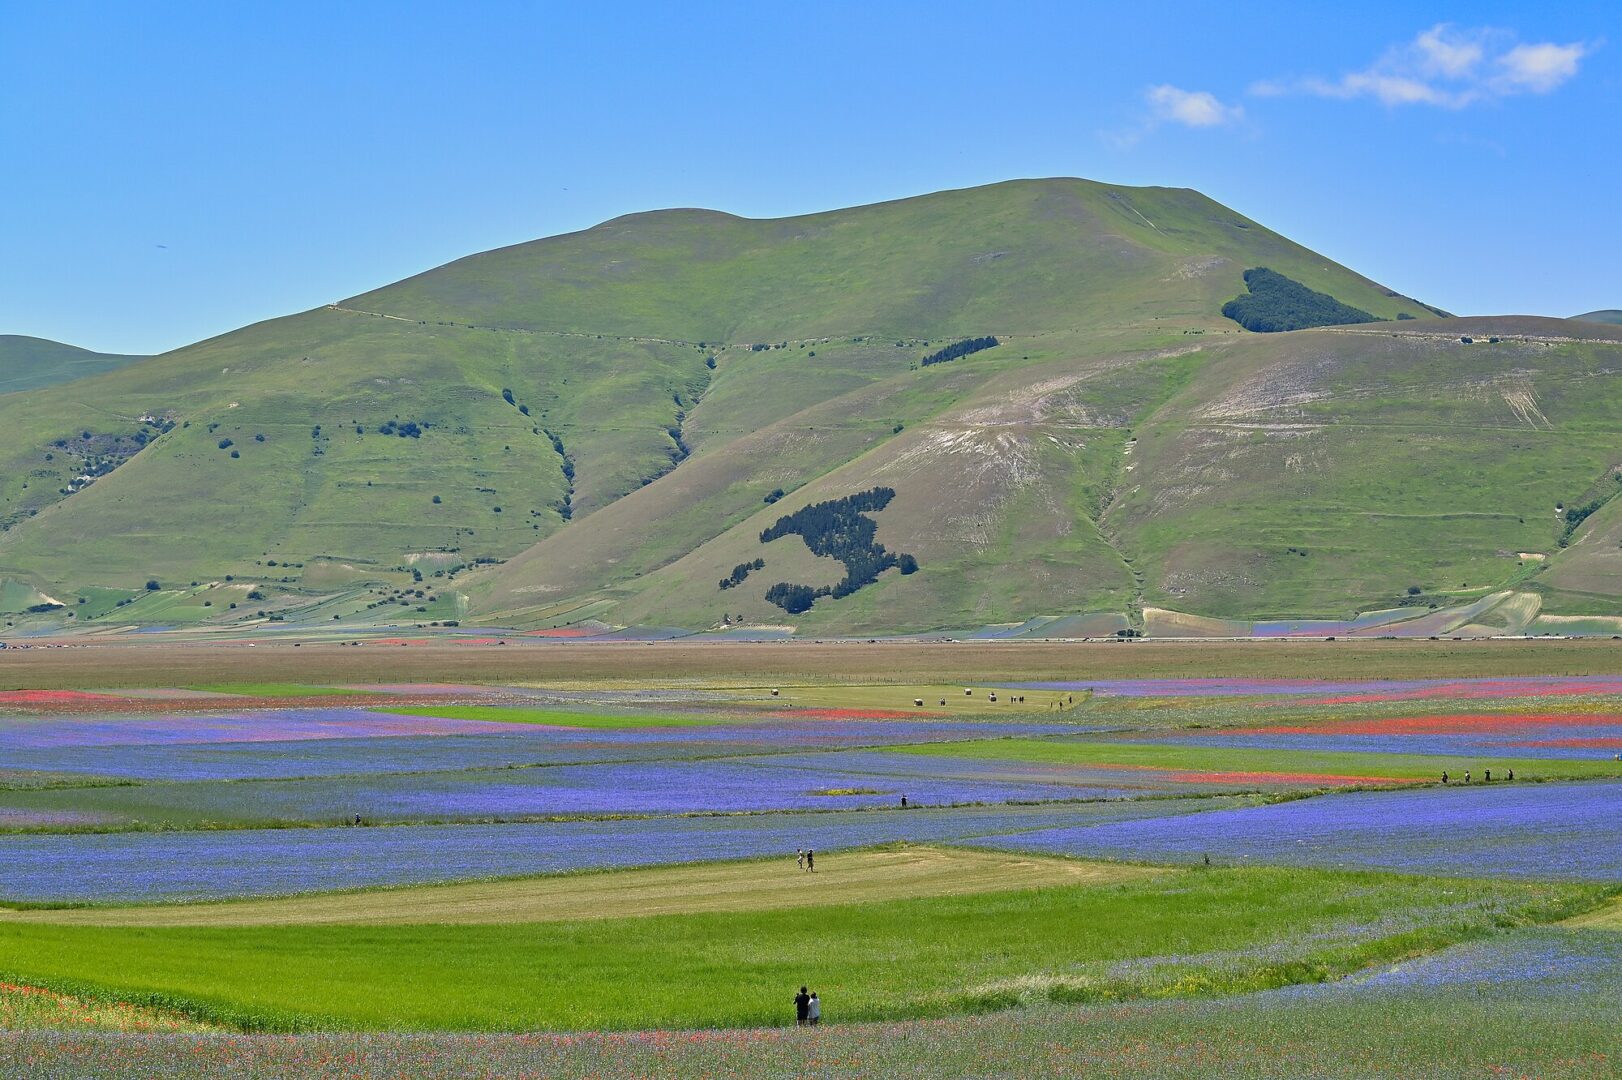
(173, 749)
(665, 786)
(319, 757)
(1533, 961)
(1563, 831)
(1556, 959)
(277, 725)
(148, 866)
(896, 768)
(1577, 741)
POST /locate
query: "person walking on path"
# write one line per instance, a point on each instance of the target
(814, 1010)
(810, 861)
(802, 1007)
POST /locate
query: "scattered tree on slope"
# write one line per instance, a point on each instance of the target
(740, 572)
(1276, 303)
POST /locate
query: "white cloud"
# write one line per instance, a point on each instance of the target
(1193, 108)
(1449, 67)
(1540, 68)
(1450, 54)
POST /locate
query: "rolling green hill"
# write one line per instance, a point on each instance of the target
(28, 363)
(1608, 315)
(597, 428)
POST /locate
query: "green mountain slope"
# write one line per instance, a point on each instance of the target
(599, 426)
(1017, 257)
(1608, 315)
(28, 363)
(1316, 473)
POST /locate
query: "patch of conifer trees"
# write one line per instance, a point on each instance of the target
(1276, 303)
(740, 572)
(840, 529)
(960, 348)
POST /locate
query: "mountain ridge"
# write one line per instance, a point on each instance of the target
(594, 428)
(28, 363)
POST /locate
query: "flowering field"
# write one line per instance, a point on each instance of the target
(222, 797)
(1434, 1017)
(338, 742)
(1567, 831)
(24, 1008)
(142, 866)
(1569, 734)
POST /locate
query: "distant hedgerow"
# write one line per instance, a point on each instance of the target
(1277, 303)
(960, 348)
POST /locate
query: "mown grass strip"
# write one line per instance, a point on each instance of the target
(899, 873)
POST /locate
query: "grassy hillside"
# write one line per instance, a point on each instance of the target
(1321, 472)
(1017, 257)
(1607, 315)
(1333, 471)
(28, 363)
(598, 426)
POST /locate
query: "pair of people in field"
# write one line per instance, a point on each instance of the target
(808, 859)
(807, 1009)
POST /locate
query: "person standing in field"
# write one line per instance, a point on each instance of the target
(802, 1007)
(810, 861)
(799, 853)
(814, 1010)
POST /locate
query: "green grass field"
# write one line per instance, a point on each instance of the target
(1217, 931)
(1213, 759)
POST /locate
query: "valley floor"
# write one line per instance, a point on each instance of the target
(1217, 859)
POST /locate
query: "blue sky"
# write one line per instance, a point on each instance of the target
(169, 173)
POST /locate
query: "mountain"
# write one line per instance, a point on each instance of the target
(597, 429)
(1611, 316)
(27, 363)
